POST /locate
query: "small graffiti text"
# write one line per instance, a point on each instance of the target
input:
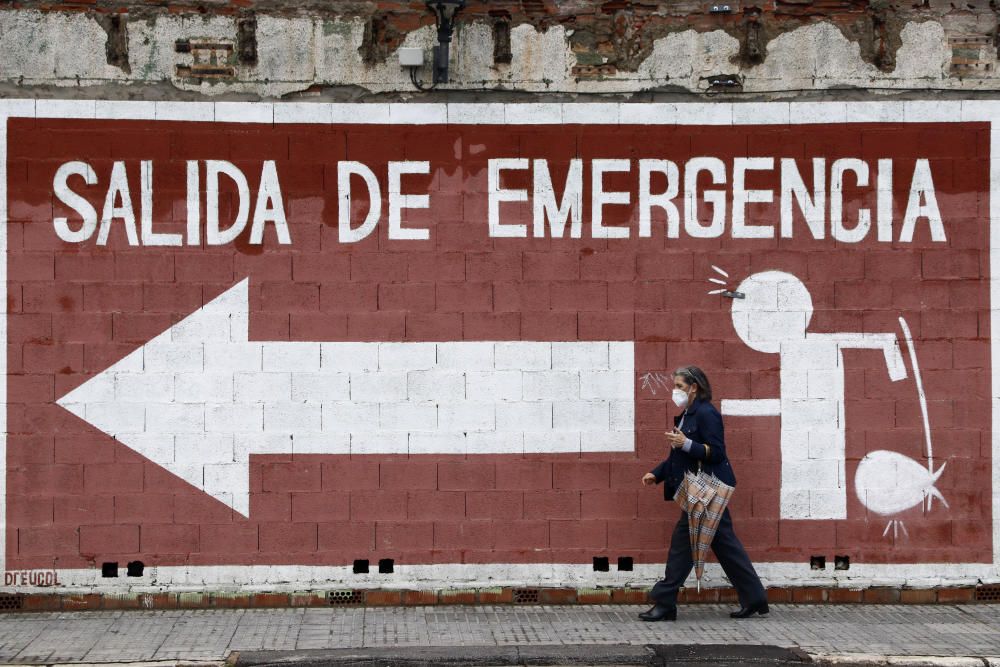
(31, 578)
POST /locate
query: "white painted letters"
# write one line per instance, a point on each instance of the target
(742, 197)
(600, 197)
(707, 187)
(118, 190)
(119, 205)
(399, 201)
(545, 206)
(717, 198)
(149, 237)
(647, 200)
(214, 169)
(813, 206)
(922, 189)
(344, 172)
(837, 227)
(83, 207)
(498, 194)
(269, 207)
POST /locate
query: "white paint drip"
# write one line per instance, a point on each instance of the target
(908, 337)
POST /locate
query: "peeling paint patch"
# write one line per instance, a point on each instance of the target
(116, 25)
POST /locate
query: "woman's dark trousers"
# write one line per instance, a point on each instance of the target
(731, 556)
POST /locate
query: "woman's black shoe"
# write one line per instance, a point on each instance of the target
(659, 612)
(747, 612)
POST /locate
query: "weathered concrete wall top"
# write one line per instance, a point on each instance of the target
(347, 50)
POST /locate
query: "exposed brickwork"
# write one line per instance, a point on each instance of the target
(957, 595)
(919, 596)
(414, 598)
(806, 595)
(844, 595)
(559, 596)
(881, 595)
(383, 598)
(608, 37)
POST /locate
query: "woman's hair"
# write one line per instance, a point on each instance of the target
(694, 375)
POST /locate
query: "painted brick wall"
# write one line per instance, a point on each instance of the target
(507, 436)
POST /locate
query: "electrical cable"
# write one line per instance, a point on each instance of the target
(417, 84)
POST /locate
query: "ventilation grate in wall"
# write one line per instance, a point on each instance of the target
(345, 598)
(11, 602)
(988, 593)
(525, 595)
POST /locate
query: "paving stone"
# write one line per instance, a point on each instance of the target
(197, 634)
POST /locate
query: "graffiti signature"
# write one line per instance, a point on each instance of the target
(653, 381)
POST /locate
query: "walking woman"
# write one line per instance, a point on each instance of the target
(698, 437)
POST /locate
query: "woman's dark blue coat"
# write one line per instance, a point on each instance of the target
(703, 425)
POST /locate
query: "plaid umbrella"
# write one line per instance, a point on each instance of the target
(704, 498)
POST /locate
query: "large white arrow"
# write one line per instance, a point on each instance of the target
(200, 398)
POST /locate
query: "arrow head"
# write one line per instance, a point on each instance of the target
(158, 400)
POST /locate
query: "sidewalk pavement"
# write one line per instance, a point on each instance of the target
(214, 635)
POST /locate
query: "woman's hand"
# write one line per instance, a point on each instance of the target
(676, 438)
(648, 479)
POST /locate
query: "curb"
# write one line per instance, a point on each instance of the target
(143, 663)
(867, 659)
(458, 656)
(620, 655)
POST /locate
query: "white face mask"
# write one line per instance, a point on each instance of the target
(680, 398)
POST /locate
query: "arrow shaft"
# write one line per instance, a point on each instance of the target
(430, 398)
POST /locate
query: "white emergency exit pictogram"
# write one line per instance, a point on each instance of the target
(773, 317)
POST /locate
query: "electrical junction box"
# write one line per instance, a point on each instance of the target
(411, 57)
